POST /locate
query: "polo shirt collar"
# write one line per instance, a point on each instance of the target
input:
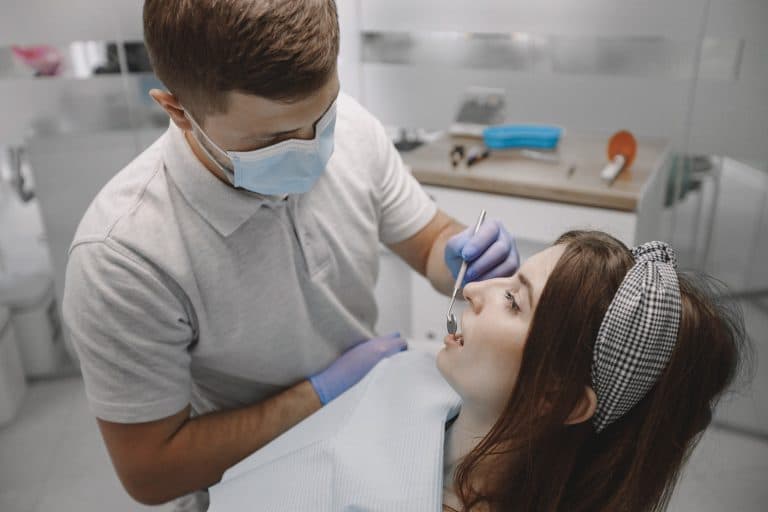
(223, 207)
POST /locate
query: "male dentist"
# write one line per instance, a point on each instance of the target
(220, 287)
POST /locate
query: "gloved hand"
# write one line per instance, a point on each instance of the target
(490, 253)
(354, 364)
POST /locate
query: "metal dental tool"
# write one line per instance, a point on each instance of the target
(451, 318)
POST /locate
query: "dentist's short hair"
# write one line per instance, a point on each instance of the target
(282, 50)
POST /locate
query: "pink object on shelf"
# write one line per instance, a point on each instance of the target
(45, 60)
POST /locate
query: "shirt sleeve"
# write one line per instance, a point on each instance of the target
(131, 333)
(405, 206)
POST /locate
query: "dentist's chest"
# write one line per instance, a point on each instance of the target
(291, 288)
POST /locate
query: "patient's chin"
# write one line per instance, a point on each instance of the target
(442, 364)
(445, 367)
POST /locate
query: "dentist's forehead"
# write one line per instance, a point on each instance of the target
(247, 107)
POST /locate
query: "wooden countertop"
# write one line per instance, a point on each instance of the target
(508, 173)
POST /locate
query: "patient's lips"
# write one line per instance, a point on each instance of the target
(455, 339)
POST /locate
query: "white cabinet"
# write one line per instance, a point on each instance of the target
(535, 224)
(532, 219)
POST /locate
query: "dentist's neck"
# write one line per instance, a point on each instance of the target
(200, 154)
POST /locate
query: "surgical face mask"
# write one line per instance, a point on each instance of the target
(289, 167)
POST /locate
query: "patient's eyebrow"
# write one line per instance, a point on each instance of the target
(528, 287)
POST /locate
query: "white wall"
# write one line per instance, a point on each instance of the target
(730, 116)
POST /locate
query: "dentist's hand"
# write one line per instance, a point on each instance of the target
(352, 365)
(490, 253)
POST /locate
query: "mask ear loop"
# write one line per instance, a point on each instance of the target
(227, 172)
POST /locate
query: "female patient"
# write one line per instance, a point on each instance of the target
(585, 381)
(589, 376)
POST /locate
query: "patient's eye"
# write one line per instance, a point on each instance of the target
(512, 302)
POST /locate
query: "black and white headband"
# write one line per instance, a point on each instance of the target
(638, 333)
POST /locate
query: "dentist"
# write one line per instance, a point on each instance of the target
(220, 287)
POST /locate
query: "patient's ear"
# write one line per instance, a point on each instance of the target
(585, 408)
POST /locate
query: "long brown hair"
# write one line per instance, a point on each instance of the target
(541, 464)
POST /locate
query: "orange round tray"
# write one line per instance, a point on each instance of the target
(622, 143)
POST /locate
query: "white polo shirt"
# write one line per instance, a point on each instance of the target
(181, 290)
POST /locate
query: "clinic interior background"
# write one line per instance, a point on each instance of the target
(74, 109)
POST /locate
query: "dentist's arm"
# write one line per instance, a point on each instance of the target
(164, 459)
(424, 251)
(161, 460)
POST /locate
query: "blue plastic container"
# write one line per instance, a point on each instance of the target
(513, 136)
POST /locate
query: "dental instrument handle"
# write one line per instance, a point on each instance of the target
(450, 319)
(453, 299)
(613, 169)
(463, 268)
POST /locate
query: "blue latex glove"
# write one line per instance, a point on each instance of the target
(354, 364)
(490, 253)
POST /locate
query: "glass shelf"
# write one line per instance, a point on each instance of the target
(74, 60)
(654, 57)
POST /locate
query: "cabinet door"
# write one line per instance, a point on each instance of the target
(535, 224)
(532, 219)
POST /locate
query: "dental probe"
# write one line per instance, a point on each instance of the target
(451, 318)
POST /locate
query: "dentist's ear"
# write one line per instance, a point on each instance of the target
(172, 106)
(585, 408)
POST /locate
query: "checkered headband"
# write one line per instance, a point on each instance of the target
(638, 333)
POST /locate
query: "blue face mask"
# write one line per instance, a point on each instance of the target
(289, 167)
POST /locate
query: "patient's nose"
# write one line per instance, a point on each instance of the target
(473, 294)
